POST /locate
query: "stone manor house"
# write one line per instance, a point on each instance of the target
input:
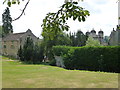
(12, 42)
(99, 36)
(112, 40)
(115, 37)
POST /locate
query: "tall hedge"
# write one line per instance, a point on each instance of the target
(103, 58)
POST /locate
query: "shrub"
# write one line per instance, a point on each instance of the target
(52, 62)
(92, 42)
(102, 58)
(31, 53)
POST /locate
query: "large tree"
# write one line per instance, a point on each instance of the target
(80, 38)
(7, 22)
(92, 42)
(55, 23)
(30, 52)
(0, 31)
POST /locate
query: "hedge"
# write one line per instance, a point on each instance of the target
(103, 58)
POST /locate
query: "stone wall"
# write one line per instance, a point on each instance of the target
(10, 48)
(114, 38)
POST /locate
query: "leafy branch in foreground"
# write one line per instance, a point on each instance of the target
(10, 2)
(55, 23)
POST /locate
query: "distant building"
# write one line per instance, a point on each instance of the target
(99, 36)
(115, 37)
(12, 42)
(0, 45)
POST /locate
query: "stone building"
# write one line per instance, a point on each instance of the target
(115, 37)
(11, 43)
(99, 36)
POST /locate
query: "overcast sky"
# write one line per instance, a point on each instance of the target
(103, 15)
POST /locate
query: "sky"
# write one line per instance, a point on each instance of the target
(103, 15)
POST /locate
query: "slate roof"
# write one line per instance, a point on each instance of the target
(14, 36)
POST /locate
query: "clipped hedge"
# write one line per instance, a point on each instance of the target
(103, 58)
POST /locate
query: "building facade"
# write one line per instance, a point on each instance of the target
(12, 42)
(115, 37)
(99, 36)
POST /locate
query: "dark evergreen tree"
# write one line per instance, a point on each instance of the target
(7, 22)
(72, 38)
(63, 39)
(0, 31)
(77, 39)
(30, 52)
(20, 54)
(80, 39)
(38, 53)
(28, 49)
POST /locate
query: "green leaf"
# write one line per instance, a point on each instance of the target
(62, 28)
(79, 19)
(87, 12)
(75, 2)
(4, 1)
(14, 2)
(18, 2)
(66, 28)
(74, 17)
(9, 4)
(83, 18)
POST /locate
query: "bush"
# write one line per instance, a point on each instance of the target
(102, 58)
(31, 53)
(52, 62)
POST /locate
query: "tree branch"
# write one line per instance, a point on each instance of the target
(22, 11)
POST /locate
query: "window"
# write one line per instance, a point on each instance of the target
(12, 42)
(4, 42)
(12, 46)
(28, 36)
(4, 46)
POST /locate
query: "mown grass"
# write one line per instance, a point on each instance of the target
(0, 72)
(18, 75)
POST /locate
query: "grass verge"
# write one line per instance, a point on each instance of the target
(18, 75)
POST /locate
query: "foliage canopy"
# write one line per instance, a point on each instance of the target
(54, 23)
(7, 22)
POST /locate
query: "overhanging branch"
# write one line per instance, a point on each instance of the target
(22, 11)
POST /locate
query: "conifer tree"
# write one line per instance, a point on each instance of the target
(7, 22)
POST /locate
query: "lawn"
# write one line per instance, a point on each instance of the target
(18, 75)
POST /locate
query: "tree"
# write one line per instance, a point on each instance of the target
(30, 52)
(0, 31)
(92, 42)
(28, 49)
(80, 38)
(55, 23)
(38, 52)
(73, 39)
(7, 22)
(10, 2)
(77, 39)
(63, 39)
(20, 54)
